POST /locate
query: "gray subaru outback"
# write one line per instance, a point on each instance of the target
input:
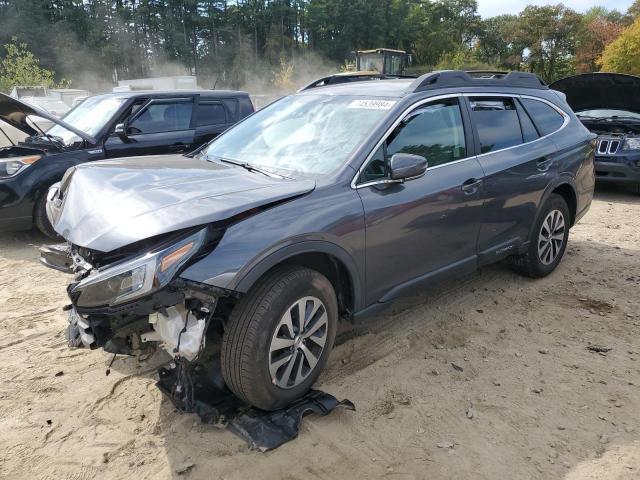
(324, 206)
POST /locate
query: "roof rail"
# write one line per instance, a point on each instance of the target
(487, 73)
(458, 78)
(348, 77)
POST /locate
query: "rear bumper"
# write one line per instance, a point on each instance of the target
(618, 172)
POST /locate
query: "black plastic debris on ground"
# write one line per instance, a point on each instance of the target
(202, 392)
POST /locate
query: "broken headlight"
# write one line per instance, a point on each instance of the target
(10, 167)
(137, 277)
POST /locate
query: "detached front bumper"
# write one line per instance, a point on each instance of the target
(618, 169)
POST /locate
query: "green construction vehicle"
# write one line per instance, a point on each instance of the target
(385, 61)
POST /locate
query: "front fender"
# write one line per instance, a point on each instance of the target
(328, 221)
(249, 275)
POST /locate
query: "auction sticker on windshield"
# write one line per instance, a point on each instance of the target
(372, 104)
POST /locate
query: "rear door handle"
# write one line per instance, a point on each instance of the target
(543, 164)
(471, 186)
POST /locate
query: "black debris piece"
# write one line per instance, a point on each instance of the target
(457, 367)
(599, 348)
(192, 389)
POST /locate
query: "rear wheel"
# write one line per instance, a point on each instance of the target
(279, 337)
(40, 219)
(548, 240)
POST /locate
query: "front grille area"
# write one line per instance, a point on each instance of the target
(608, 146)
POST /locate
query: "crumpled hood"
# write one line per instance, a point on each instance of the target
(109, 204)
(15, 113)
(591, 91)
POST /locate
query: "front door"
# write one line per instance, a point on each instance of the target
(160, 126)
(426, 226)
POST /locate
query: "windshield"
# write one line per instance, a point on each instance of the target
(89, 117)
(301, 134)
(608, 113)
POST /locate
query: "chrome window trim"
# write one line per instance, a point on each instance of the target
(355, 185)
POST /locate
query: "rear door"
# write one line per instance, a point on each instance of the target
(426, 226)
(159, 126)
(519, 162)
(212, 117)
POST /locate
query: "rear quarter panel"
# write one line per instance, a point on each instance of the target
(576, 149)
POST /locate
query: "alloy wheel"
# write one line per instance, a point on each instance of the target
(298, 342)
(551, 237)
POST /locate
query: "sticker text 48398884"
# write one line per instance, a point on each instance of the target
(372, 104)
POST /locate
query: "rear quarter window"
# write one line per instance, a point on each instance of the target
(211, 114)
(546, 118)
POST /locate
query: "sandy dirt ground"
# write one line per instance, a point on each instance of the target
(525, 400)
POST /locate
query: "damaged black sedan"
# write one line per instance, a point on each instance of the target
(327, 204)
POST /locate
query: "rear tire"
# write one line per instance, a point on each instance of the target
(548, 240)
(279, 336)
(41, 221)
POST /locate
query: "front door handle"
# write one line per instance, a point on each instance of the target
(543, 164)
(471, 186)
(177, 147)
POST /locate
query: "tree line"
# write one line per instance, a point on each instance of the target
(263, 43)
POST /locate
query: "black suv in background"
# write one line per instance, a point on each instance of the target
(103, 126)
(326, 204)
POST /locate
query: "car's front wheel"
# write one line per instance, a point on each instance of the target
(548, 240)
(279, 336)
(40, 219)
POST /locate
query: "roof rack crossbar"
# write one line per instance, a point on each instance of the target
(458, 78)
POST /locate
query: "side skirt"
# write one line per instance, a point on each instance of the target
(462, 267)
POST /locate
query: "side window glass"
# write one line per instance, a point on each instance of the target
(496, 120)
(546, 118)
(529, 132)
(163, 117)
(434, 131)
(232, 108)
(211, 114)
(136, 106)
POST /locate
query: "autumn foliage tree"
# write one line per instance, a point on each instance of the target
(596, 34)
(622, 54)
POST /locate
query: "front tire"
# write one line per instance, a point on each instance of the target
(40, 219)
(279, 336)
(548, 240)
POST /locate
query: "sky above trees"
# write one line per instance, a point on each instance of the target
(490, 8)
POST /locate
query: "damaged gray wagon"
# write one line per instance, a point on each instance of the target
(326, 205)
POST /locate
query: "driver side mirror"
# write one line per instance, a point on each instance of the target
(404, 166)
(121, 130)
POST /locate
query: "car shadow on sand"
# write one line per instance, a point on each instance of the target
(618, 193)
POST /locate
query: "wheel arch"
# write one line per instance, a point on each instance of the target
(565, 187)
(567, 191)
(327, 258)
